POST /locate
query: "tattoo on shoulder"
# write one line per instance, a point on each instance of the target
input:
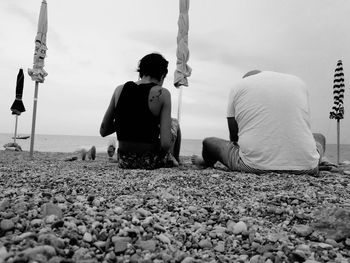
(157, 96)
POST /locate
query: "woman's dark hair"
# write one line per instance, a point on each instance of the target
(153, 65)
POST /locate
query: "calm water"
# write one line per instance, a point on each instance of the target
(71, 143)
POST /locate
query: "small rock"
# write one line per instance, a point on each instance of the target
(192, 208)
(331, 242)
(4, 204)
(120, 244)
(302, 230)
(3, 253)
(51, 209)
(255, 259)
(149, 245)
(143, 212)
(45, 250)
(205, 243)
(239, 228)
(164, 238)
(323, 245)
(220, 247)
(7, 225)
(36, 222)
(87, 237)
(188, 260)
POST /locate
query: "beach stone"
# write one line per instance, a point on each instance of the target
(149, 245)
(3, 253)
(239, 228)
(87, 237)
(118, 210)
(51, 239)
(188, 260)
(51, 209)
(143, 212)
(4, 204)
(333, 222)
(322, 245)
(220, 247)
(23, 236)
(120, 243)
(302, 230)
(36, 222)
(256, 259)
(46, 250)
(164, 238)
(205, 243)
(80, 254)
(7, 225)
(100, 244)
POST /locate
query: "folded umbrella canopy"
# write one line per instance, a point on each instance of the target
(38, 73)
(182, 52)
(337, 111)
(17, 107)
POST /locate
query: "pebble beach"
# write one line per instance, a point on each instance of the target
(56, 209)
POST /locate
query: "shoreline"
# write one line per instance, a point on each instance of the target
(170, 214)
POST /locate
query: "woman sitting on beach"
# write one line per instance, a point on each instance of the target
(140, 114)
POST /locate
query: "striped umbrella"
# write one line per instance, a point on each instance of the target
(337, 111)
(38, 73)
(182, 53)
(338, 93)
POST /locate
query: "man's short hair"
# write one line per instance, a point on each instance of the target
(153, 65)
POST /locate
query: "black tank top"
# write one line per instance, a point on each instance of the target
(134, 120)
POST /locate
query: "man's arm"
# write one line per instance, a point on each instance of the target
(233, 129)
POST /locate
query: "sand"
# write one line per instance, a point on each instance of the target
(52, 210)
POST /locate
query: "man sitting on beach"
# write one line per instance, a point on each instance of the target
(269, 125)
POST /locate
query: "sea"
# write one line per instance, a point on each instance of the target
(73, 143)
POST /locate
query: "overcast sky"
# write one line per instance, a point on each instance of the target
(93, 46)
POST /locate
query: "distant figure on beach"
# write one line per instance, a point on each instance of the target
(140, 114)
(269, 127)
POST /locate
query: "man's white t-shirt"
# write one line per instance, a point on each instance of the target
(272, 113)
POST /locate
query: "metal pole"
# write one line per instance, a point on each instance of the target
(338, 141)
(14, 138)
(33, 119)
(179, 105)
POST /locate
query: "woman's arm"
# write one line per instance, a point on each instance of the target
(108, 125)
(165, 122)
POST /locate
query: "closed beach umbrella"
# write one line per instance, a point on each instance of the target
(337, 111)
(37, 73)
(183, 71)
(17, 107)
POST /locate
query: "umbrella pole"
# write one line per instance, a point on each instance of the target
(338, 140)
(34, 118)
(179, 105)
(14, 137)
